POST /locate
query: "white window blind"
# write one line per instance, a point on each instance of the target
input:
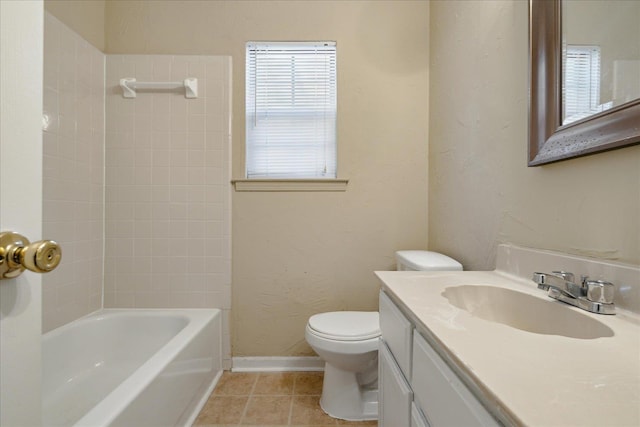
(581, 82)
(291, 110)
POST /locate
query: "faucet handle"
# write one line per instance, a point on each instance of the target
(600, 291)
(539, 278)
(569, 277)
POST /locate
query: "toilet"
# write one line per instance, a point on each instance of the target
(347, 341)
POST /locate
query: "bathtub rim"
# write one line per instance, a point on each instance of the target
(103, 414)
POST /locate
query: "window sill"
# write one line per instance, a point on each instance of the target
(290, 184)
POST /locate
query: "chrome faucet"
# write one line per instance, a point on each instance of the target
(595, 296)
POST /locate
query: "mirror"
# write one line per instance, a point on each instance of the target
(556, 131)
(600, 56)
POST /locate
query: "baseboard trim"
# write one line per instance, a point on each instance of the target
(276, 364)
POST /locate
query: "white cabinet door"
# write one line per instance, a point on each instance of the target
(395, 395)
(396, 331)
(417, 418)
(441, 395)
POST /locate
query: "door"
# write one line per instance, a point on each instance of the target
(21, 58)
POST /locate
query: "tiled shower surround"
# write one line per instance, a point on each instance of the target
(73, 173)
(160, 162)
(167, 235)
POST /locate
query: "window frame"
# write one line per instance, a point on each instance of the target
(293, 182)
(581, 72)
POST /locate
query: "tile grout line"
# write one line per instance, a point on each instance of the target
(246, 405)
(293, 393)
(290, 411)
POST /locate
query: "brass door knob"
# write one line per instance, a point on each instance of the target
(18, 254)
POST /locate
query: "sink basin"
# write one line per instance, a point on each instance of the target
(525, 312)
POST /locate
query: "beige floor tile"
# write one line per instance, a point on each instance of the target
(222, 410)
(267, 410)
(265, 400)
(236, 384)
(357, 423)
(308, 383)
(215, 425)
(306, 411)
(276, 383)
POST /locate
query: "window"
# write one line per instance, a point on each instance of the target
(291, 110)
(581, 82)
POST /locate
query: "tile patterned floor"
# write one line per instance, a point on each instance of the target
(268, 399)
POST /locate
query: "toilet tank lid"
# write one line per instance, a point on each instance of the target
(427, 261)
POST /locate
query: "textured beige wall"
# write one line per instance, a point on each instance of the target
(481, 192)
(296, 254)
(85, 17)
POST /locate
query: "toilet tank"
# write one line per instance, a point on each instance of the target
(425, 261)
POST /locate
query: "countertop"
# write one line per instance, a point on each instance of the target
(526, 378)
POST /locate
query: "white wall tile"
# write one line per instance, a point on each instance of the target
(73, 144)
(168, 186)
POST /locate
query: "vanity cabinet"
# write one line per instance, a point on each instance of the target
(397, 333)
(392, 384)
(417, 417)
(416, 387)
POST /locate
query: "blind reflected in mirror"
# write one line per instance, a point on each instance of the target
(600, 56)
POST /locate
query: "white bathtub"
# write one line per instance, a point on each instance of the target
(131, 368)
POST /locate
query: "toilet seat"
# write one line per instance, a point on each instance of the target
(337, 346)
(346, 325)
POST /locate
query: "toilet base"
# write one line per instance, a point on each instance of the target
(344, 397)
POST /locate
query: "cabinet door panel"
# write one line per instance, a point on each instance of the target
(441, 395)
(417, 418)
(395, 395)
(396, 331)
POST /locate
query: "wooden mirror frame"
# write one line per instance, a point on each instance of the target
(549, 140)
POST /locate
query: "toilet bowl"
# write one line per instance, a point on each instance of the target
(347, 341)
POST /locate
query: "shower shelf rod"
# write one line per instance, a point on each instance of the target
(129, 86)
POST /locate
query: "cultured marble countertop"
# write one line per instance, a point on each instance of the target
(526, 378)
